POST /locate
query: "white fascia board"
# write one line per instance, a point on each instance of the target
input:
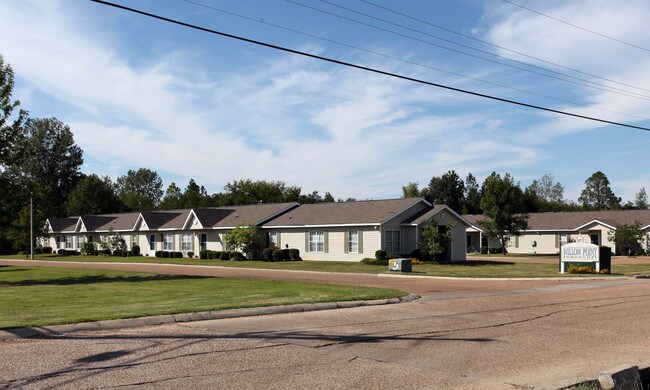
(595, 221)
(321, 226)
(189, 217)
(137, 220)
(114, 230)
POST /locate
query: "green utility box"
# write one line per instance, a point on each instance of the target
(400, 265)
(605, 258)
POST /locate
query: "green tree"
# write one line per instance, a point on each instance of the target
(93, 195)
(628, 238)
(503, 208)
(10, 131)
(545, 195)
(195, 196)
(447, 189)
(436, 239)
(173, 199)
(328, 198)
(598, 194)
(641, 199)
(244, 238)
(411, 190)
(140, 190)
(472, 196)
(250, 192)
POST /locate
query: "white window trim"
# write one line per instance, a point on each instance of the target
(353, 245)
(317, 242)
(186, 242)
(168, 245)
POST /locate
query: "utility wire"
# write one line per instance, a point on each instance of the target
(368, 69)
(267, 23)
(498, 46)
(584, 82)
(576, 26)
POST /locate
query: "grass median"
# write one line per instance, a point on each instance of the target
(492, 268)
(37, 296)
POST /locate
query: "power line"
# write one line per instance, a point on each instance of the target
(267, 23)
(498, 46)
(576, 26)
(584, 82)
(360, 67)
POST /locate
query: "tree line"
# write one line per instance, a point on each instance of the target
(542, 195)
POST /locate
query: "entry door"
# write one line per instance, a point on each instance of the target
(152, 245)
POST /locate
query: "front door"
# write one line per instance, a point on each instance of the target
(152, 245)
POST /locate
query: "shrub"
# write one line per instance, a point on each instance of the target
(277, 255)
(470, 249)
(294, 254)
(375, 261)
(224, 255)
(236, 256)
(267, 253)
(285, 255)
(165, 254)
(416, 254)
(604, 271)
(190, 254)
(158, 254)
(88, 248)
(381, 255)
(203, 254)
(210, 255)
(581, 269)
(135, 251)
(47, 250)
(484, 250)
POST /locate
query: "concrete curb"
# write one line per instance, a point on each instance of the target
(558, 278)
(625, 376)
(59, 330)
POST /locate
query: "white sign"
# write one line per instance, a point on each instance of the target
(580, 252)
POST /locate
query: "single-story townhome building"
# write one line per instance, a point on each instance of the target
(548, 231)
(341, 231)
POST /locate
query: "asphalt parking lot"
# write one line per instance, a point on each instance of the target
(474, 334)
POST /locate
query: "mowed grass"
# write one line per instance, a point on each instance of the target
(498, 267)
(37, 296)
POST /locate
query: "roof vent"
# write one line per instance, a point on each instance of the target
(289, 216)
(236, 215)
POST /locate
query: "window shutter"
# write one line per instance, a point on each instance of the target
(325, 242)
(360, 235)
(516, 241)
(557, 240)
(306, 241)
(346, 241)
(277, 238)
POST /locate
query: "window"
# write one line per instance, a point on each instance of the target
(353, 241)
(58, 242)
(595, 238)
(80, 242)
(168, 242)
(152, 242)
(317, 242)
(273, 239)
(204, 241)
(392, 241)
(68, 242)
(186, 242)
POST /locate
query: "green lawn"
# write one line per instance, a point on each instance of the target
(37, 296)
(498, 267)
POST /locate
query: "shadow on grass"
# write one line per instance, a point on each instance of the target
(92, 279)
(476, 263)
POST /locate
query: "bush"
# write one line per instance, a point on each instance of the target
(278, 255)
(135, 251)
(371, 261)
(119, 253)
(294, 254)
(203, 254)
(88, 248)
(484, 250)
(471, 249)
(267, 253)
(190, 254)
(381, 255)
(581, 269)
(159, 254)
(224, 255)
(236, 256)
(416, 254)
(68, 252)
(285, 255)
(47, 250)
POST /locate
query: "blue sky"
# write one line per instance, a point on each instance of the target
(138, 92)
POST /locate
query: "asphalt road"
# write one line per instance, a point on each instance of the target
(473, 334)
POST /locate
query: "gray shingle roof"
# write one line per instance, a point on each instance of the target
(230, 216)
(342, 213)
(63, 224)
(575, 219)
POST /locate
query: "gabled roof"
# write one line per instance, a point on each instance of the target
(62, 224)
(432, 212)
(370, 212)
(575, 220)
(170, 219)
(231, 216)
(117, 222)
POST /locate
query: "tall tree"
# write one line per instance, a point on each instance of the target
(140, 190)
(472, 196)
(411, 190)
(195, 196)
(10, 131)
(93, 195)
(502, 204)
(641, 199)
(545, 194)
(173, 198)
(598, 194)
(447, 189)
(628, 238)
(249, 192)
